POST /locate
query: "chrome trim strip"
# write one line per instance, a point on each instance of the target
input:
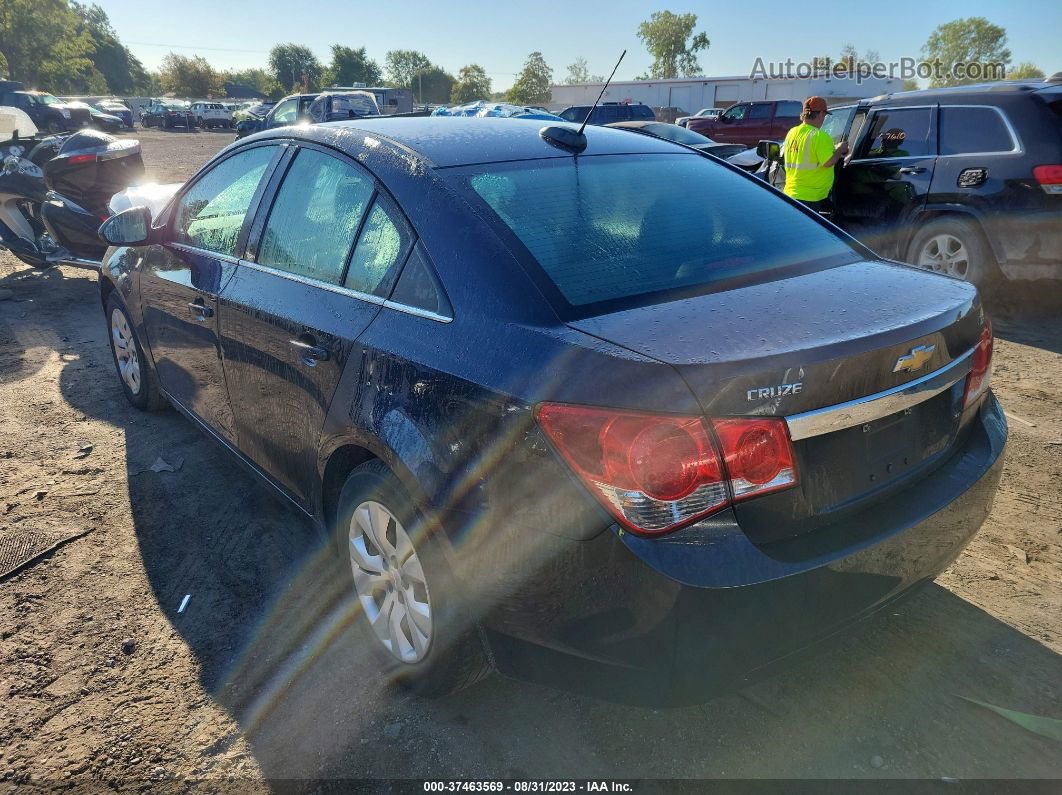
(203, 252)
(417, 311)
(881, 404)
(295, 277)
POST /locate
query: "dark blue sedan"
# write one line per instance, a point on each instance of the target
(622, 417)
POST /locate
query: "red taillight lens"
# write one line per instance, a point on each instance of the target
(82, 159)
(981, 372)
(655, 474)
(1049, 177)
(758, 455)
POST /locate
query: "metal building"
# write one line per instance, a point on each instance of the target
(690, 94)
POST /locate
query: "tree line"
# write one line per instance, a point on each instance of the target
(71, 48)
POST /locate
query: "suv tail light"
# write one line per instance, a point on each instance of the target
(1049, 177)
(981, 374)
(655, 474)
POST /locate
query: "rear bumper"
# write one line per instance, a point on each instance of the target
(671, 622)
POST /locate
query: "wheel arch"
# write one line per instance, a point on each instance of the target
(933, 212)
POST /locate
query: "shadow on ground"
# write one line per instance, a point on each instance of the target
(277, 651)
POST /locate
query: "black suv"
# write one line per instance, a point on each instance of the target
(609, 112)
(48, 113)
(965, 180)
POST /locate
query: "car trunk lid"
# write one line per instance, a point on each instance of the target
(798, 345)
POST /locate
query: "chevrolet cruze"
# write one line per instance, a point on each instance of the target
(622, 412)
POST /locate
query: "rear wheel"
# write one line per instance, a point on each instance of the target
(957, 247)
(135, 373)
(404, 588)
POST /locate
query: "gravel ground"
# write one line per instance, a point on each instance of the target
(103, 680)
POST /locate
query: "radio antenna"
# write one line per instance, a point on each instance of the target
(598, 100)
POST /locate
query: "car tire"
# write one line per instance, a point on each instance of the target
(954, 246)
(134, 370)
(417, 580)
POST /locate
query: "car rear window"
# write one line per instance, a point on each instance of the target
(965, 130)
(639, 228)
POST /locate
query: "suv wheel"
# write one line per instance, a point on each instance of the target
(955, 246)
(404, 588)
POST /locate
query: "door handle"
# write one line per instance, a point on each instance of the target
(202, 311)
(311, 352)
(912, 170)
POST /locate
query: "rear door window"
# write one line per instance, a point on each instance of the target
(210, 214)
(900, 132)
(616, 227)
(382, 247)
(788, 110)
(315, 217)
(966, 130)
(761, 111)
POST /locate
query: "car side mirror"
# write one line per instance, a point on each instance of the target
(769, 150)
(130, 227)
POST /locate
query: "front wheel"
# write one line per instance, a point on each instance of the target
(135, 373)
(956, 247)
(422, 635)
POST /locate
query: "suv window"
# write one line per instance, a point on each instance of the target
(642, 112)
(210, 214)
(381, 248)
(788, 110)
(623, 226)
(315, 217)
(969, 130)
(899, 132)
(836, 121)
(761, 110)
(606, 114)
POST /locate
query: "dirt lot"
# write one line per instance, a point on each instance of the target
(101, 678)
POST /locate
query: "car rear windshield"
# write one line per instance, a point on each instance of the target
(632, 229)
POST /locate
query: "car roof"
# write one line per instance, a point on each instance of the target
(980, 90)
(457, 141)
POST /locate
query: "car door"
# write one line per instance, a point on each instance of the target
(283, 113)
(786, 116)
(885, 184)
(756, 126)
(728, 128)
(320, 262)
(180, 280)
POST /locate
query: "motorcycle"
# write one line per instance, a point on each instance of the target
(54, 192)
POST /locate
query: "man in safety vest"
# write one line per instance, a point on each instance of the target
(810, 156)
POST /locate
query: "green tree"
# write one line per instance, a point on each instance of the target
(289, 62)
(350, 66)
(119, 69)
(472, 83)
(910, 85)
(533, 82)
(964, 41)
(577, 72)
(189, 76)
(670, 40)
(258, 79)
(1024, 71)
(43, 44)
(401, 65)
(433, 84)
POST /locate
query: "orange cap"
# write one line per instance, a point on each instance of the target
(814, 105)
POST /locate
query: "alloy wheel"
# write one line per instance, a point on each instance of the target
(945, 253)
(390, 583)
(125, 351)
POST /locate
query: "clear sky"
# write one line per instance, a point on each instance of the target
(498, 34)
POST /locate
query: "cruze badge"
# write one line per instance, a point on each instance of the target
(915, 360)
(764, 392)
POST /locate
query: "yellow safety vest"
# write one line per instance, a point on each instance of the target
(806, 147)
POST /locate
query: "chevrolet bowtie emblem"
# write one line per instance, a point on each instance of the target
(915, 360)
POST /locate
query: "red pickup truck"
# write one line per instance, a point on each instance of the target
(749, 123)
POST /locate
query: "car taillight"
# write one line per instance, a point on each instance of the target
(981, 373)
(655, 474)
(1049, 177)
(81, 159)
